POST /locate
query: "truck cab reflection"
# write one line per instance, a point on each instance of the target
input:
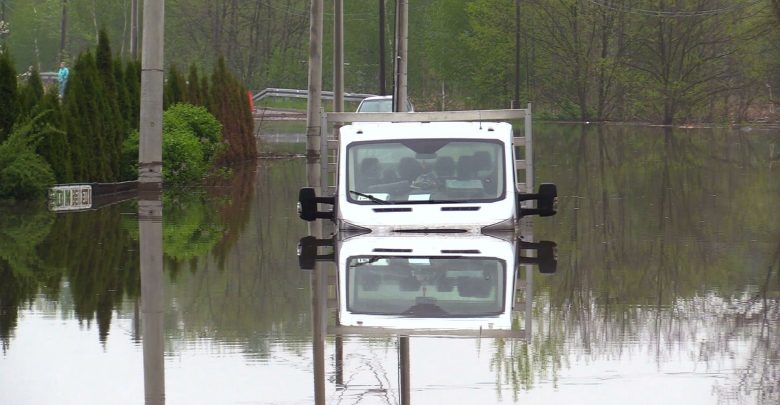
(448, 285)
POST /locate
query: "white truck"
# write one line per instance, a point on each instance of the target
(447, 284)
(426, 177)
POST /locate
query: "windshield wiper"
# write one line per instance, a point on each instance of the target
(369, 196)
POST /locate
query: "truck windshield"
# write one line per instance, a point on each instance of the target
(428, 287)
(420, 171)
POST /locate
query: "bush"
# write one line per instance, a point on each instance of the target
(23, 173)
(191, 142)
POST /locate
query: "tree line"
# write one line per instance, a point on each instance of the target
(590, 60)
(90, 134)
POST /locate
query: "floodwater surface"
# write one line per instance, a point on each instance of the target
(667, 290)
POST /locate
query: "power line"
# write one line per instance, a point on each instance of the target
(608, 4)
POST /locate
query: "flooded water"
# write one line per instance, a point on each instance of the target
(667, 290)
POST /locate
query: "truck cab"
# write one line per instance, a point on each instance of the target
(427, 177)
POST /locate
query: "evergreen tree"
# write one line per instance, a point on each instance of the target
(174, 88)
(54, 147)
(114, 130)
(9, 99)
(86, 122)
(132, 79)
(229, 103)
(194, 95)
(30, 94)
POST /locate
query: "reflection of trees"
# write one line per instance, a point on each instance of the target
(667, 233)
(22, 229)
(98, 258)
(255, 298)
(90, 249)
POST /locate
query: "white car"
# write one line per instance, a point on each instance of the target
(426, 177)
(380, 104)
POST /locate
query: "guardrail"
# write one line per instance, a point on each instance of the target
(295, 93)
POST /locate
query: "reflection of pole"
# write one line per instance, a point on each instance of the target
(401, 43)
(150, 145)
(403, 370)
(319, 286)
(314, 101)
(150, 235)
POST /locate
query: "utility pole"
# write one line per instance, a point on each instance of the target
(150, 145)
(516, 101)
(134, 29)
(401, 41)
(314, 101)
(63, 28)
(338, 57)
(382, 63)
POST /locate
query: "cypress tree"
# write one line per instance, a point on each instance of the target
(194, 96)
(133, 86)
(54, 147)
(113, 128)
(30, 94)
(174, 88)
(9, 98)
(85, 122)
(228, 102)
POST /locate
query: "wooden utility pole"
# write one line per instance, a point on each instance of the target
(401, 41)
(516, 101)
(382, 63)
(314, 103)
(134, 29)
(338, 56)
(63, 29)
(150, 145)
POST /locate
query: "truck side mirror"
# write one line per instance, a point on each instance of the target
(546, 255)
(546, 201)
(307, 205)
(307, 252)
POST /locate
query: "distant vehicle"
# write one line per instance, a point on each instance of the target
(380, 104)
(426, 177)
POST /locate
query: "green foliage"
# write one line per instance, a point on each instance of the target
(203, 125)
(93, 122)
(175, 88)
(132, 84)
(191, 143)
(9, 102)
(23, 173)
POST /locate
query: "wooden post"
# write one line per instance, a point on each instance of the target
(382, 63)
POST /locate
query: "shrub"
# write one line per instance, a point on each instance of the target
(191, 141)
(23, 173)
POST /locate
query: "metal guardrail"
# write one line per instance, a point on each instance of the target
(295, 93)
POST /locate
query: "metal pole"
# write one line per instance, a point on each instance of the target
(382, 63)
(402, 41)
(152, 303)
(150, 145)
(516, 101)
(338, 56)
(314, 102)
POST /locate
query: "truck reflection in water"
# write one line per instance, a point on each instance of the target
(438, 285)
